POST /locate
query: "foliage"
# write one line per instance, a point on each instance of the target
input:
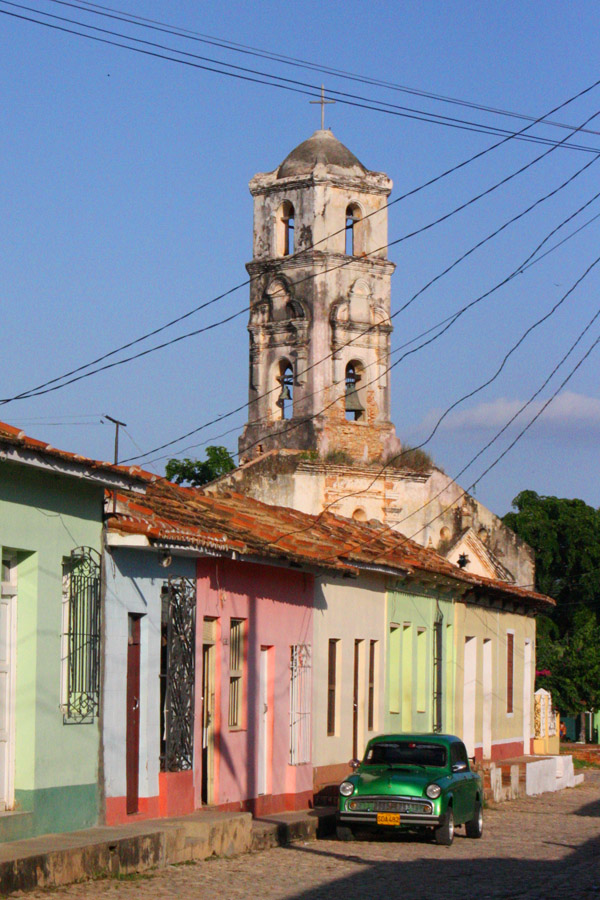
(573, 662)
(414, 458)
(339, 458)
(196, 472)
(565, 535)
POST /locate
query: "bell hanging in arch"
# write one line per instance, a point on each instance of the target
(353, 403)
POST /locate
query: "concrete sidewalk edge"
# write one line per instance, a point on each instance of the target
(59, 859)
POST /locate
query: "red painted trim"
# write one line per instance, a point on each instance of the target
(116, 810)
(503, 751)
(268, 804)
(176, 793)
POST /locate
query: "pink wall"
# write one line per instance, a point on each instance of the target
(277, 606)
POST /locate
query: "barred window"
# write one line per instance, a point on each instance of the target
(331, 686)
(81, 636)
(236, 663)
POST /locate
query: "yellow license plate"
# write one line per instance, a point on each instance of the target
(388, 818)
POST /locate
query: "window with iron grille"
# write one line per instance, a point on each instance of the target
(300, 665)
(236, 664)
(81, 636)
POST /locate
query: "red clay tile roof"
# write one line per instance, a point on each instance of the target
(171, 514)
(14, 437)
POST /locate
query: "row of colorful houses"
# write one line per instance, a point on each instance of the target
(163, 649)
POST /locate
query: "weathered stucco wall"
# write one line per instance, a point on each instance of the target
(43, 517)
(346, 611)
(276, 605)
(134, 579)
(511, 731)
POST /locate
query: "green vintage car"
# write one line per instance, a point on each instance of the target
(412, 781)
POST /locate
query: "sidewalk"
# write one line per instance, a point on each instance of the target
(59, 859)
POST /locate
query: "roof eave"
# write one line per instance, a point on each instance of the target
(73, 469)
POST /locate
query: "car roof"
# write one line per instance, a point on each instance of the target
(433, 738)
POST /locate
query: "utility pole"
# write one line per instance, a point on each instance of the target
(117, 424)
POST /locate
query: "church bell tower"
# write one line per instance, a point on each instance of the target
(319, 307)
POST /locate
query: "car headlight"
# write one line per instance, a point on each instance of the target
(433, 791)
(346, 788)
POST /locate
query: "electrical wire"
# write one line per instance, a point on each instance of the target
(412, 192)
(456, 403)
(496, 437)
(445, 324)
(349, 261)
(130, 18)
(279, 81)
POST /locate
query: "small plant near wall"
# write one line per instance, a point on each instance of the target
(414, 458)
(339, 458)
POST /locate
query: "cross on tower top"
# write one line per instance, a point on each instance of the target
(323, 102)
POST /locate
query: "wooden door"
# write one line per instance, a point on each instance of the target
(263, 718)
(133, 714)
(7, 659)
(208, 721)
(469, 694)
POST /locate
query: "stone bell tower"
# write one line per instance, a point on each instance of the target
(319, 307)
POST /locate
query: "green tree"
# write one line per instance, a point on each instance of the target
(565, 535)
(196, 472)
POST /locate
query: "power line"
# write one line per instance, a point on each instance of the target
(448, 322)
(258, 76)
(123, 16)
(413, 191)
(53, 386)
(498, 434)
(466, 396)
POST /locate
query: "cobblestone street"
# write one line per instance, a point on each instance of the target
(545, 847)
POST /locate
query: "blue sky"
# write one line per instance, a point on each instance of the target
(125, 204)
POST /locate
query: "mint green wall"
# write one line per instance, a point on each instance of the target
(43, 517)
(409, 683)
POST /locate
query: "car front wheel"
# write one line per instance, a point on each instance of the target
(474, 828)
(444, 834)
(344, 833)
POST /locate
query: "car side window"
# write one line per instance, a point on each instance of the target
(458, 754)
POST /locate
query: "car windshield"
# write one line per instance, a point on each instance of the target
(393, 753)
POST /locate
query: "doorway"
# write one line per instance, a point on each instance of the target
(132, 739)
(356, 698)
(208, 710)
(469, 694)
(8, 646)
(487, 699)
(263, 723)
(527, 677)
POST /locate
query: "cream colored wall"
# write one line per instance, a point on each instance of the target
(493, 624)
(346, 610)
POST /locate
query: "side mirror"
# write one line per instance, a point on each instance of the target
(459, 767)
(354, 763)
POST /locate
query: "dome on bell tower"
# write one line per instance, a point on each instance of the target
(320, 149)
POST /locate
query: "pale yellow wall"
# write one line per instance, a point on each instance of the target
(346, 610)
(493, 624)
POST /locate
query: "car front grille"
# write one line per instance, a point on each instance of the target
(406, 806)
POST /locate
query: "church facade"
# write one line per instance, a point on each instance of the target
(319, 433)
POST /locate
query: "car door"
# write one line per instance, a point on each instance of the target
(459, 764)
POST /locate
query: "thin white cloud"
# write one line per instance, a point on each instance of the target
(569, 411)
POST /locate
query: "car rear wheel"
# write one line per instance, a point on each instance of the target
(445, 833)
(344, 833)
(474, 828)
